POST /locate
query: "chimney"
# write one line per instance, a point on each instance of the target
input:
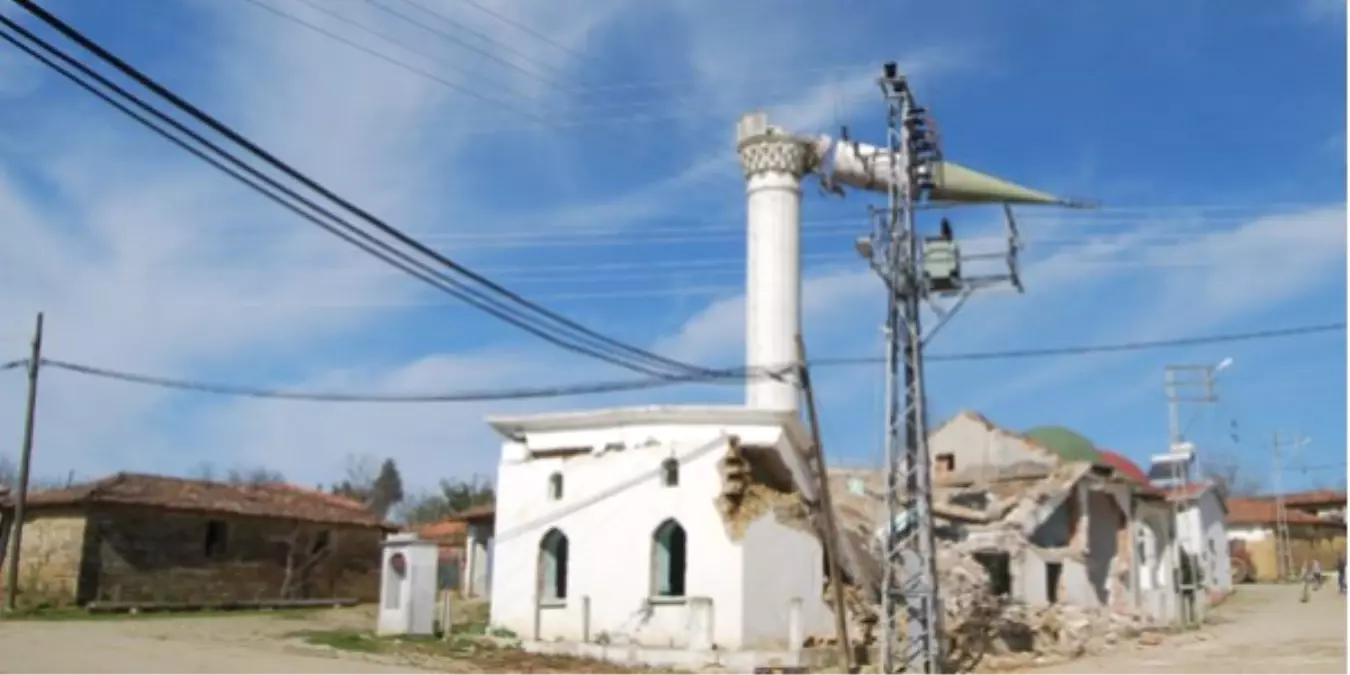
(774, 163)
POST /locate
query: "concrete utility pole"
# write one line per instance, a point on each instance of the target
(25, 460)
(915, 270)
(1187, 384)
(1284, 554)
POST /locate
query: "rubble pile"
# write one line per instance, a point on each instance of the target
(982, 629)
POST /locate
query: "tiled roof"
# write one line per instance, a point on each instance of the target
(1242, 511)
(446, 531)
(1315, 498)
(265, 501)
(1123, 465)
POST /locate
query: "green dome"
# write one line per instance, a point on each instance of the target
(1068, 444)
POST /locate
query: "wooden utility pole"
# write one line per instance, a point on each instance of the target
(25, 461)
(828, 531)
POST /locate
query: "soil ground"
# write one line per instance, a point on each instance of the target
(1261, 629)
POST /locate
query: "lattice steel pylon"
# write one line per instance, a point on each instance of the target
(910, 573)
(917, 272)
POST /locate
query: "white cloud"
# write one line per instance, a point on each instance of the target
(1189, 287)
(145, 260)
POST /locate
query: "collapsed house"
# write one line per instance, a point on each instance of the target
(1032, 529)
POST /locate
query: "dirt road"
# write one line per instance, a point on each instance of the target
(1263, 629)
(242, 644)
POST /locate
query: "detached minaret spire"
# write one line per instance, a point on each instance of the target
(774, 163)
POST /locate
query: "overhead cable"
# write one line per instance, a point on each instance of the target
(513, 23)
(10, 365)
(385, 252)
(466, 396)
(1141, 345)
(738, 375)
(605, 343)
(460, 88)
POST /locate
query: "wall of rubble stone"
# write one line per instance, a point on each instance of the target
(145, 555)
(49, 561)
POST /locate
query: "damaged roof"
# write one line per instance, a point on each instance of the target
(279, 501)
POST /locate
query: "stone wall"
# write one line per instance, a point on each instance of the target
(139, 555)
(49, 561)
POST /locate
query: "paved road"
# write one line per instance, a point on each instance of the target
(1264, 629)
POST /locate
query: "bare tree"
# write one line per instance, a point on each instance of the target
(304, 548)
(257, 475)
(1231, 477)
(203, 471)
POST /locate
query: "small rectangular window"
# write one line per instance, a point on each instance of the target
(217, 536)
(946, 462)
(1052, 574)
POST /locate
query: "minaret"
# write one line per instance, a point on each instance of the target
(774, 163)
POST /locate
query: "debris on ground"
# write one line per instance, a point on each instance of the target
(981, 630)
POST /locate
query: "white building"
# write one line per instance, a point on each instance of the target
(608, 525)
(1203, 531)
(1201, 515)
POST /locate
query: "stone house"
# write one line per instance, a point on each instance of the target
(134, 538)
(1251, 527)
(1052, 518)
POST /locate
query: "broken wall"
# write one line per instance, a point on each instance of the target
(969, 442)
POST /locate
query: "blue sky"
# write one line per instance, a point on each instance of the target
(596, 175)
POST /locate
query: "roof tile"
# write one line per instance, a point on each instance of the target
(264, 501)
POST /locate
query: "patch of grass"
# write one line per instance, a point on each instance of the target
(348, 641)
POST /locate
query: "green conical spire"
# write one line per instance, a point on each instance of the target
(956, 183)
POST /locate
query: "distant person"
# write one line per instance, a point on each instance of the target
(1340, 572)
(1317, 575)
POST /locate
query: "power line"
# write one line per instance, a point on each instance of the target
(1142, 345)
(728, 223)
(467, 396)
(10, 365)
(730, 375)
(515, 24)
(375, 247)
(478, 50)
(606, 347)
(389, 59)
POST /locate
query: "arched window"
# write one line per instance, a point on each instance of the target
(553, 566)
(670, 472)
(555, 486)
(668, 560)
